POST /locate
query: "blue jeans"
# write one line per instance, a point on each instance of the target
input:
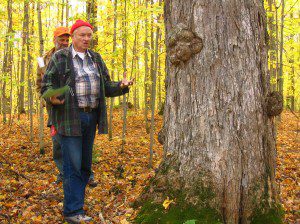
(57, 156)
(77, 162)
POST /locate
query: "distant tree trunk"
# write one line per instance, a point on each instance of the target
(19, 52)
(291, 89)
(159, 80)
(7, 62)
(146, 80)
(58, 13)
(11, 88)
(134, 55)
(29, 70)
(41, 107)
(136, 87)
(24, 43)
(153, 94)
(67, 13)
(113, 69)
(124, 45)
(219, 150)
(272, 45)
(292, 95)
(91, 12)
(277, 47)
(62, 12)
(137, 66)
(280, 84)
(4, 70)
(151, 52)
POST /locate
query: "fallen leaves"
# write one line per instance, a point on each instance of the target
(121, 175)
(288, 168)
(167, 203)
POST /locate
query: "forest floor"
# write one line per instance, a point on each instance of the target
(28, 194)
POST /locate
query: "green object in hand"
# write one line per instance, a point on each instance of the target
(55, 92)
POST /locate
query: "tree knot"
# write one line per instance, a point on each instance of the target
(183, 44)
(274, 103)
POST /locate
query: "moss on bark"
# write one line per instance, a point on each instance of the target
(182, 209)
(265, 214)
(152, 213)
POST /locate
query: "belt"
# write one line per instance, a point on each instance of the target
(87, 109)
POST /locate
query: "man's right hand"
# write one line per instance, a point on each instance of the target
(55, 101)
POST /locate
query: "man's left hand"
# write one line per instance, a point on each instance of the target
(125, 83)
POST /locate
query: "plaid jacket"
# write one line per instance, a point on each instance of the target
(40, 73)
(60, 72)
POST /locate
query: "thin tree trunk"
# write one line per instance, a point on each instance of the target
(67, 13)
(124, 43)
(159, 84)
(7, 62)
(62, 12)
(134, 55)
(153, 95)
(91, 11)
(113, 69)
(11, 90)
(29, 69)
(24, 43)
(137, 71)
(291, 96)
(41, 107)
(277, 48)
(272, 45)
(281, 49)
(146, 80)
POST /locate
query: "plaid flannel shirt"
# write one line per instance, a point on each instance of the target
(60, 72)
(87, 80)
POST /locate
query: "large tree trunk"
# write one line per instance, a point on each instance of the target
(219, 164)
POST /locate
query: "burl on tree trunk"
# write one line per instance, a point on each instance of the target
(219, 137)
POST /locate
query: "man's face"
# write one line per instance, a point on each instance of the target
(81, 38)
(61, 41)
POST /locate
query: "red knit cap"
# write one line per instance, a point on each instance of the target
(79, 23)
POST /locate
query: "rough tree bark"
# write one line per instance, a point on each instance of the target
(219, 163)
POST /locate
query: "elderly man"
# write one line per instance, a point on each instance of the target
(61, 36)
(78, 111)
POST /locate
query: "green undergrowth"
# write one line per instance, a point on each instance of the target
(179, 213)
(265, 214)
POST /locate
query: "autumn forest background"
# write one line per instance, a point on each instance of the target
(130, 36)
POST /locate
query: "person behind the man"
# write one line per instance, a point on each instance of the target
(61, 36)
(78, 111)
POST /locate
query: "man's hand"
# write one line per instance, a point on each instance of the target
(55, 101)
(125, 83)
